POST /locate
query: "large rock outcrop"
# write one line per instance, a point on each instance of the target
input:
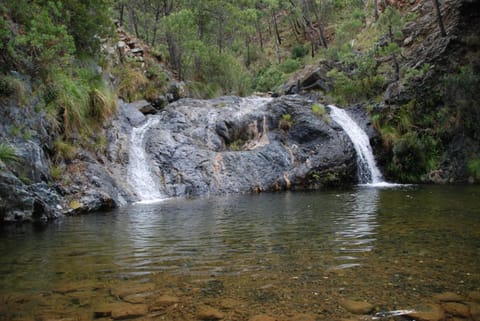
(235, 145)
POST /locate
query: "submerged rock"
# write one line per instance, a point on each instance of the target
(356, 307)
(209, 314)
(428, 312)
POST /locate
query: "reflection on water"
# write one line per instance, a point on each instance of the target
(279, 253)
(356, 228)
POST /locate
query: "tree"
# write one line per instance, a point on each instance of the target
(391, 23)
(436, 4)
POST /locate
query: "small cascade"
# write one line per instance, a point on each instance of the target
(368, 172)
(139, 173)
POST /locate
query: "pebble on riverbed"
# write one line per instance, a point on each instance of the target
(356, 307)
(209, 313)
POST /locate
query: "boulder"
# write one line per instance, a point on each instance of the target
(311, 78)
(19, 202)
(235, 145)
(142, 106)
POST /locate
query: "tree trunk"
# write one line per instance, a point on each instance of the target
(133, 19)
(296, 32)
(275, 25)
(321, 33)
(145, 24)
(155, 25)
(436, 4)
(175, 55)
(375, 10)
(260, 33)
(122, 7)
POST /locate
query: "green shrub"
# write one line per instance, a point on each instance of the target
(299, 51)
(132, 83)
(13, 87)
(56, 172)
(289, 66)
(474, 168)
(414, 155)
(64, 150)
(269, 79)
(285, 122)
(8, 153)
(319, 109)
(203, 90)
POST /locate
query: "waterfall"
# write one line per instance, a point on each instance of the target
(139, 172)
(368, 172)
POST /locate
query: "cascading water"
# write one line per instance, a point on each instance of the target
(368, 172)
(138, 171)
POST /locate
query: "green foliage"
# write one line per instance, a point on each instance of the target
(299, 51)
(287, 118)
(290, 65)
(132, 83)
(46, 39)
(204, 90)
(356, 87)
(391, 22)
(414, 155)
(237, 145)
(8, 154)
(64, 150)
(78, 100)
(56, 172)
(461, 91)
(474, 168)
(286, 122)
(87, 21)
(12, 87)
(269, 79)
(411, 74)
(319, 109)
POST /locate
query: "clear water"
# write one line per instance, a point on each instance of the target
(281, 254)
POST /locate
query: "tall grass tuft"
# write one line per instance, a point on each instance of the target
(8, 154)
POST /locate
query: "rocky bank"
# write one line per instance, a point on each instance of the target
(197, 147)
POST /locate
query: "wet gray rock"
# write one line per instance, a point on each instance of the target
(37, 203)
(131, 113)
(234, 145)
(143, 106)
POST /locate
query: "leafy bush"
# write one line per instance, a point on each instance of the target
(319, 109)
(289, 66)
(351, 89)
(461, 91)
(299, 51)
(474, 168)
(269, 79)
(204, 90)
(414, 155)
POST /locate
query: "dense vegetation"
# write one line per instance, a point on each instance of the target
(51, 48)
(237, 47)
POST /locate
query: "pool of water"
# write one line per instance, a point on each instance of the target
(286, 255)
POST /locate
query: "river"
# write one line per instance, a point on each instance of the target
(281, 254)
